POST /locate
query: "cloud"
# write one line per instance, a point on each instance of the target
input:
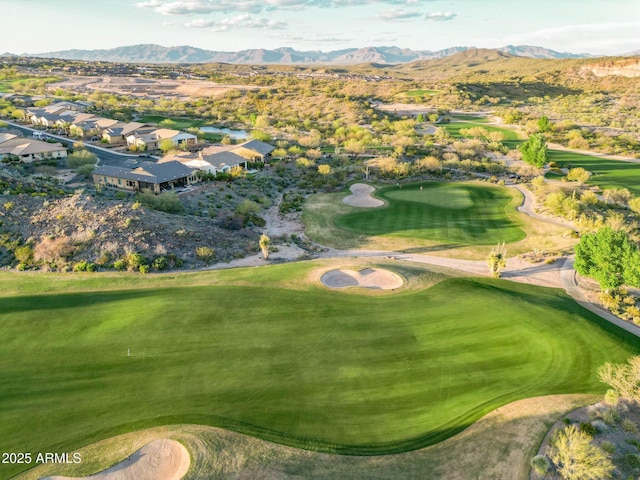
(398, 15)
(440, 16)
(199, 23)
(237, 22)
(327, 38)
(190, 7)
(597, 38)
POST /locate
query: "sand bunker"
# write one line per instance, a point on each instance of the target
(158, 460)
(361, 196)
(375, 278)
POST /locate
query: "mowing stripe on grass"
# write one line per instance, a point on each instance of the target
(311, 368)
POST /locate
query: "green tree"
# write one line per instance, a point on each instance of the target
(576, 458)
(167, 123)
(544, 125)
(264, 243)
(167, 145)
(609, 257)
(534, 150)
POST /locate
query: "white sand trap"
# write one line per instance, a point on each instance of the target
(361, 196)
(158, 460)
(375, 278)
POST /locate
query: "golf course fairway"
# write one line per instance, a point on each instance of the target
(302, 365)
(464, 213)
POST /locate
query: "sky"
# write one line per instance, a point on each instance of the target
(604, 27)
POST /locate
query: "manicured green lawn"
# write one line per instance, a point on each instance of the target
(606, 173)
(471, 214)
(454, 129)
(334, 371)
(422, 93)
(180, 123)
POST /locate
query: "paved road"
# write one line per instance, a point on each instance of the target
(105, 156)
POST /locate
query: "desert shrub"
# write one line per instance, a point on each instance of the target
(174, 260)
(53, 249)
(608, 447)
(205, 254)
(540, 464)
(85, 170)
(588, 428)
(134, 261)
(120, 264)
(611, 416)
(629, 426)
(80, 158)
(600, 426)
(611, 397)
(103, 259)
(136, 205)
(168, 202)
(24, 254)
(160, 263)
(80, 266)
(632, 460)
(576, 458)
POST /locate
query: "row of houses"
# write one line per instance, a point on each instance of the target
(28, 150)
(72, 118)
(180, 170)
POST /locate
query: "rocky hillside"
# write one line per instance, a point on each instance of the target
(628, 67)
(79, 228)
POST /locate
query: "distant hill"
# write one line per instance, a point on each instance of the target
(149, 53)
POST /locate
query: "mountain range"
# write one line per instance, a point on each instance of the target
(149, 53)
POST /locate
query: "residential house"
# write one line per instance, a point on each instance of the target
(118, 132)
(156, 177)
(152, 140)
(222, 158)
(6, 136)
(91, 127)
(218, 162)
(254, 150)
(30, 150)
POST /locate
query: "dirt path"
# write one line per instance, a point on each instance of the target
(158, 460)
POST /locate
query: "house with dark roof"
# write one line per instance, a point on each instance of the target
(254, 150)
(118, 132)
(156, 177)
(220, 158)
(216, 162)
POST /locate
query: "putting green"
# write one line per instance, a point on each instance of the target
(463, 213)
(303, 366)
(455, 198)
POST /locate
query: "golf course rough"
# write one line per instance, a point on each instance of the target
(304, 366)
(463, 213)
